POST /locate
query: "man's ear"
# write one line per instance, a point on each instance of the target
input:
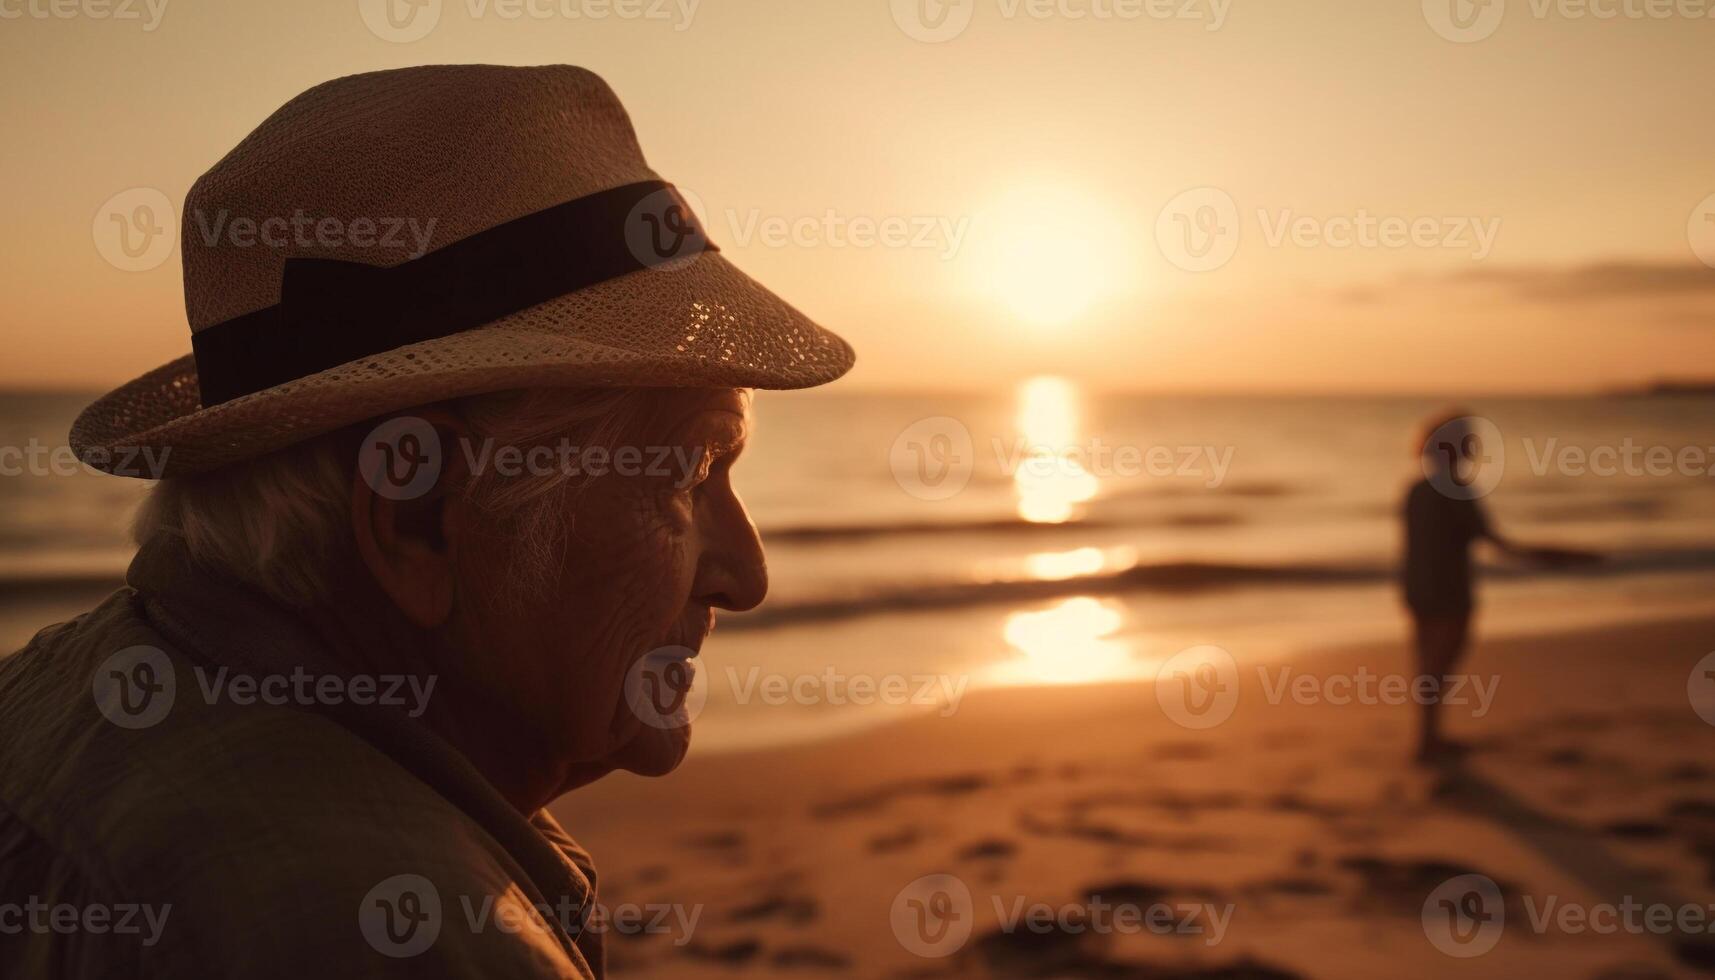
(408, 511)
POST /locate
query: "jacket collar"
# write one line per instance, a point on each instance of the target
(224, 623)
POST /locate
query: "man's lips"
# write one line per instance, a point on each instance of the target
(693, 634)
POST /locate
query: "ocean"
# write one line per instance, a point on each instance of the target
(922, 546)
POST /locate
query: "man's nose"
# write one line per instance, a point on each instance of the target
(734, 571)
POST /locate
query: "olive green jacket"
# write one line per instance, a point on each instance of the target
(158, 818)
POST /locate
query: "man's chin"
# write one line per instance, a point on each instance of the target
(655, 751)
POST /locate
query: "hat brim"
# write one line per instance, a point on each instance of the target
(703, 323)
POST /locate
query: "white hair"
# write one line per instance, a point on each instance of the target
(281, 523)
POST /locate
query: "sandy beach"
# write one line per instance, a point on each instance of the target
(1291, 840)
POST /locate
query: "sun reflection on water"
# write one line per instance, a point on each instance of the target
(1071, 642)
(1050, 481)
(1057, 566)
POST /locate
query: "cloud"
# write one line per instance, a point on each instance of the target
(1597, 281)
(1664, 294)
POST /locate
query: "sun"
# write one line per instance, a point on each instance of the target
(1049, 254)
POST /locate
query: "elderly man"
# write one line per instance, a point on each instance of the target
(440, 524)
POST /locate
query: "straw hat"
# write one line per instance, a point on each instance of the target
(402, 237)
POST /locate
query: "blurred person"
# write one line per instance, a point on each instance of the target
(1444, 517)
(389, 602)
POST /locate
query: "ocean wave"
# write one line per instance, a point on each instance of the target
(1172, 577)
(1175, 577)
(999, 527)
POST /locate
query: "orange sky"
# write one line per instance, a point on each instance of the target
(1556, 172)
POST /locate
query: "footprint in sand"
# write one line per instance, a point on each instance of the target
(728, 847)
(1057, 953)
(719, 840)
(899, 840)
(1693, 820)
(653, 874)
(1635, 830)
(1399, 887)
(944, 786)
(794, 909)
(993, 849)
(1144, 894)
(809, 958)
(735, 953)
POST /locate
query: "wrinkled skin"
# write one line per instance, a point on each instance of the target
(534, 686)
(652, 558)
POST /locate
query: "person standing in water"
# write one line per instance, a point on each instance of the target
(1444, 516)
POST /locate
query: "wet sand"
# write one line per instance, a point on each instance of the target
(1297, 827)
